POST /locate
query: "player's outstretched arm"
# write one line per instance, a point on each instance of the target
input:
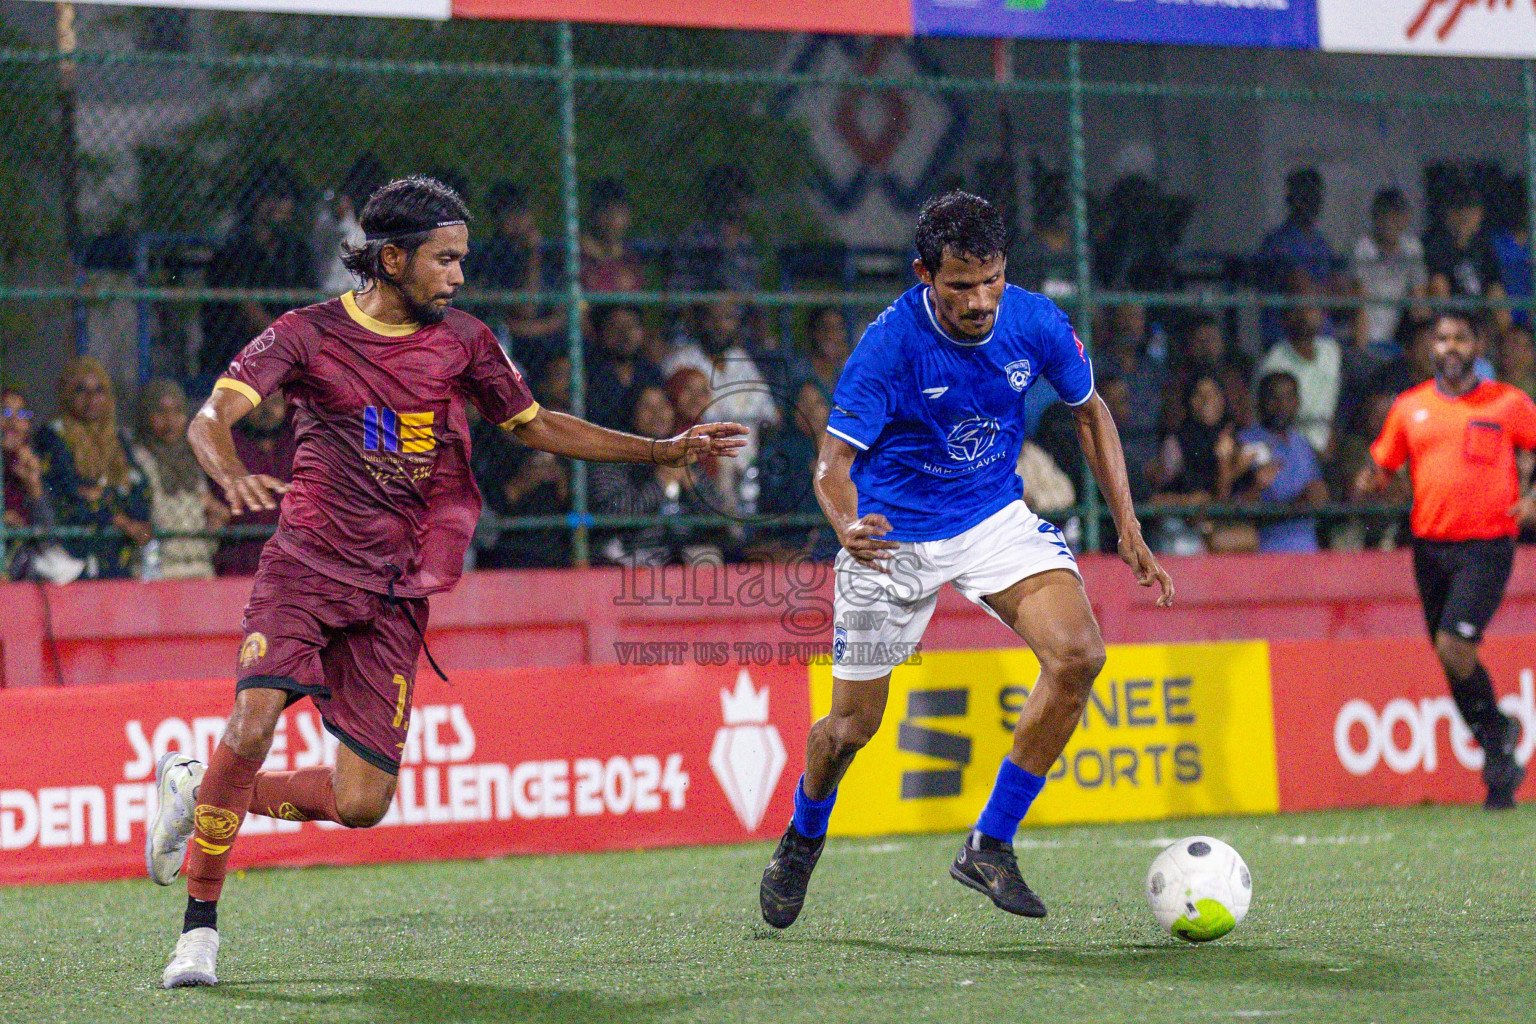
(839, 501)
(1100, 439)
(560, 434)
(214, 444)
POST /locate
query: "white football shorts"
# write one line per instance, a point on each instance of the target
(878, 618)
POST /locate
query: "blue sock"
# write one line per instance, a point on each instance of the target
(811, 815)
(1011, 796)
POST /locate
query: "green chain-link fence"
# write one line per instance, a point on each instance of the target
(765, 176)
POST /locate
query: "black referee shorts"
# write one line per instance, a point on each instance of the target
(1461, 583)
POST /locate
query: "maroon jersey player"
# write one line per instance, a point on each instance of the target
(376, 519)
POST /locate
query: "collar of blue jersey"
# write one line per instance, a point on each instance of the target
(934, 320)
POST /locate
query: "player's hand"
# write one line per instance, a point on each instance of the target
(254, 493)
(1524, 510)
(1135, 553)
(863, 541)
(1367, 481)
(700, 441)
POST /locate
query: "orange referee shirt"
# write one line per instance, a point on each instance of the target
(1461, 454)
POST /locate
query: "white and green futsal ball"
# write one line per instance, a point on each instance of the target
(1199, 889)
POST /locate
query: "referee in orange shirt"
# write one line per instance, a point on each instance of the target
(1458, 435)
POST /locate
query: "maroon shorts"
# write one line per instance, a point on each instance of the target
(351, 651)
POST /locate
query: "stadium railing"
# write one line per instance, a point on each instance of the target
(546, 104)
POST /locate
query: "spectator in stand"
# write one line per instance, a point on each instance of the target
(1366, 531)
(1312, 359)
(267, 249)
(1460, 256)
(1517, 359)
(27, 501)
(511, 259)
(645, 490)
(1297, 244)
(691, 396)
(1205, 352)
(179, 496)
(1194, 461)
(718, 253)
(1276, 464)
(26, 498)
(97, 484)
(617, 368)
(1047, 489)
(1296, 247)
(337, 227)
(1196, 466)
(264, 440)
(782, 365)
(1411, 367)
(1044, 260)
(608, 264)
(1139, 450)
(826, 331)
(788, 462)
(1387, 264)
(1127, 359)
(1512, 245)
(521, 481)
(741, 394)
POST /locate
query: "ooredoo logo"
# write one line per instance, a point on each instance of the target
(748, 753)
(1405, 734)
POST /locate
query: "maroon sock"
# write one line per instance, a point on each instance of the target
(222, 799)
(308, 794)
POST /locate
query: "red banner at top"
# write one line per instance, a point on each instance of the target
(839, 17)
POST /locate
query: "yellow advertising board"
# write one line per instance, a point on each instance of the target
(1170, 730)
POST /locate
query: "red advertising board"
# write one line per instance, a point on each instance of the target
(1370, 722)
(842, 17)
(528, 761)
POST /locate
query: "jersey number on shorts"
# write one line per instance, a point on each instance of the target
(405, 687)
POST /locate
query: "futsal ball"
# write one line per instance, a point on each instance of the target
(1199, 889)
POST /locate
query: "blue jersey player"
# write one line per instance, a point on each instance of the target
(916, 474)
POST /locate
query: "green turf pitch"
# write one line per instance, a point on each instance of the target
(1391, 916)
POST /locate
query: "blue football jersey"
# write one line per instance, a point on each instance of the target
(939, 422)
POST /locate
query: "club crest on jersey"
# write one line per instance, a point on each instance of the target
(252, 649)
(1018, 374)
(970, 438)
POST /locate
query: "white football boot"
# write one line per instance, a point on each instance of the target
(196, 957)
(165, 836)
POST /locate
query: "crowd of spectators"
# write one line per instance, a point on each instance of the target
(1229, 448)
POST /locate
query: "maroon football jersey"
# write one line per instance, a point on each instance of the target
(381, 480)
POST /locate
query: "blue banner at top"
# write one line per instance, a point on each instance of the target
(1289, 23)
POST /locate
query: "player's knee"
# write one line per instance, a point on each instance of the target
(850, 733)
(1076, 666)
(1458, 656)
(248, 733)
(360, 810)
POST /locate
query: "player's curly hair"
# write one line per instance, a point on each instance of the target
(962, 223)
(402, 213)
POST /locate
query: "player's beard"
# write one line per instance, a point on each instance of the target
(425, 313)
(1453, 369)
